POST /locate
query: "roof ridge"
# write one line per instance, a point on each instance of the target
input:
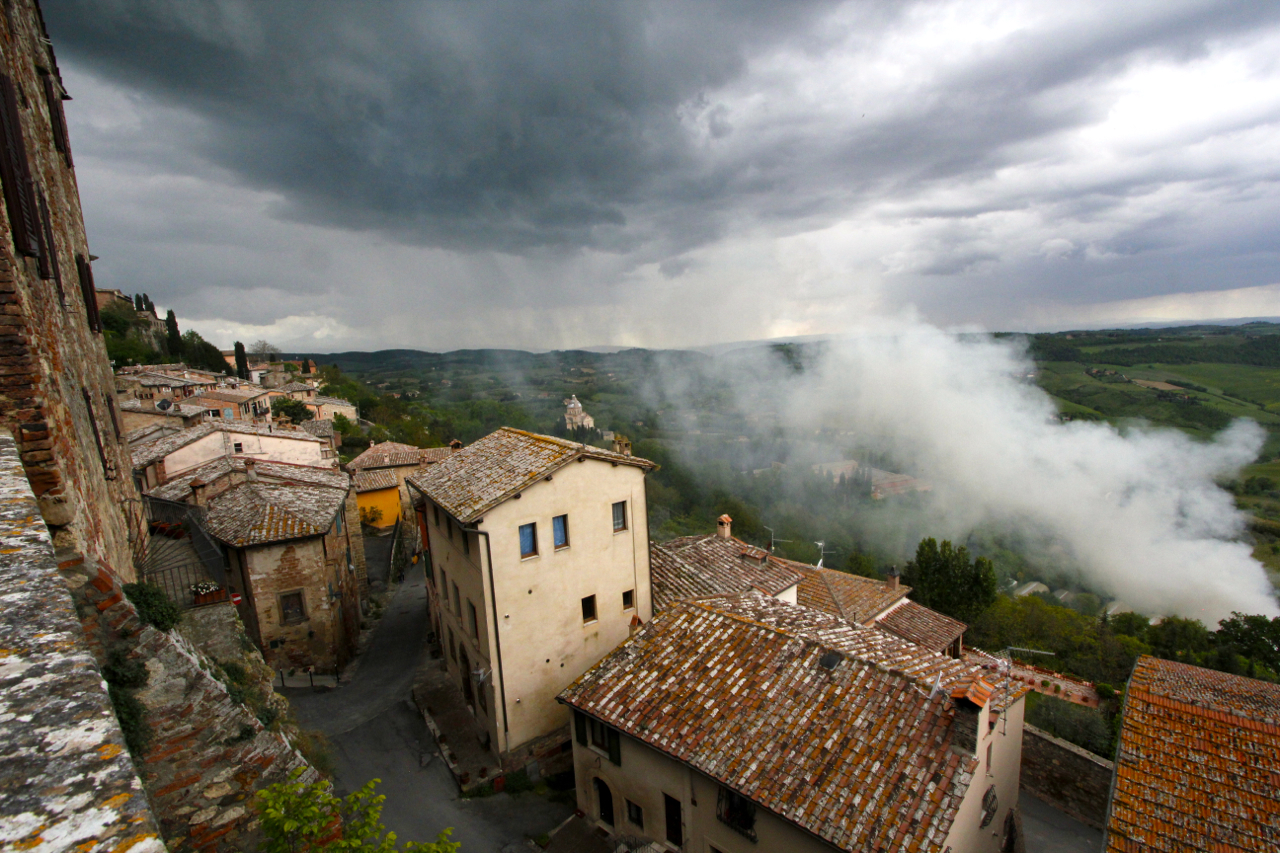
(834, 596)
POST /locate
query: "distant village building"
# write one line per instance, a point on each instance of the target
(538, 567)
(1197, 762)
(380, 473)
(139, 413)
(326, 408)
(741, 723)
(247, 403)
(575, 417)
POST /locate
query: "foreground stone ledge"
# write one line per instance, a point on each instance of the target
(66, 780)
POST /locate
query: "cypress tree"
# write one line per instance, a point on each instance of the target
(137, 302)
(242, 361)
(172, 336)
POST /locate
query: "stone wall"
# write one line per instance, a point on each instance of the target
(209, 753)
(66, 780)
(1066, 776)
(57, 394)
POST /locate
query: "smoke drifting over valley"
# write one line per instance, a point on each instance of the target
(1136, 514)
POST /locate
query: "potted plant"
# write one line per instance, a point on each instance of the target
(207, 592)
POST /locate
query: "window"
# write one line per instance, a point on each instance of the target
(605, 739)
(528, 540)
(444, 586)
(435, 513)
(635, 814)
(675, 824)
(449, 529)
(472, 622)
(737, 812)
(989, 770)
(629, 599)
(619, 516)
(589, 609)
(453, 649)
(466, 541)
(57, 118)
(237, 447)
(292, 610)
(457, 600)
(19, 195)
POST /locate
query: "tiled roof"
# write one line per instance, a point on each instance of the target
(179, 488)
(692, 566)
(922, 626)
(230, 395)
(375, 480)
(185, 409)
(296, 386)
(1198, 766)
(261, 513)
(148, 432)
(389, 454)
(483, 474)
(157, 450)
(321, 429)
(857, 599)
(331, 401)
(435, 454)
(856, 753)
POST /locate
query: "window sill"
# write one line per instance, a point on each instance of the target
(562, 548)
(526, 557)
(590, 621)
(620, 530)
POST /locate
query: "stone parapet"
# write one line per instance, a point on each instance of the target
(66, 781)
(1069, 778)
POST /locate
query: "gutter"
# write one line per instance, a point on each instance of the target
(497, 639)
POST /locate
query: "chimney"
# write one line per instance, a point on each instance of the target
(635, 625)
(198, 488)
(724, 525)
(893, 577)
(622, 444)
(455, 445)
(250, 470)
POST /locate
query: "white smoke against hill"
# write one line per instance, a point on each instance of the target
(1138, 512)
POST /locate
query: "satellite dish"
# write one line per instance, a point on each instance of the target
(164, 405)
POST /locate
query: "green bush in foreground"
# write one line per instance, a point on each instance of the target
(301, 817)
(154, 607)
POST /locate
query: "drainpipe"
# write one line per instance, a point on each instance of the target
(497, 640)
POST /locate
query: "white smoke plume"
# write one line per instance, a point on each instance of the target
(1137, 513)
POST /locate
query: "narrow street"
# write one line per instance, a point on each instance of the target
(376, 733)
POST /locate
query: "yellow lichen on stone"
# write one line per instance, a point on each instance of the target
(133, 841)
(108, 751)
(117, 801)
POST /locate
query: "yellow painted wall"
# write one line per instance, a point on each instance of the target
(387, 500)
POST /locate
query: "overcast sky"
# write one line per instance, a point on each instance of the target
(337, 176)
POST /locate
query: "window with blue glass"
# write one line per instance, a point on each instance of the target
(560, 531)
(529, 540)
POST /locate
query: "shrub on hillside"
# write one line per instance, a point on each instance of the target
(1085, 727)
(154, 607)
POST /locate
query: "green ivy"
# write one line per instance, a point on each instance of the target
(154, 607)
(133, 719)
(122, 672)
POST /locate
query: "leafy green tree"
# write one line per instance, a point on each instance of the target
(172, 336)
(242, 361)
(1176, 638)
(1255, 637)
(302, 817)
(294, 410)
(200, 354)
(944, 578)
(118, 317)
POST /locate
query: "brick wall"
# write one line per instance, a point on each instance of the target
(56, 387)
(1067, 777)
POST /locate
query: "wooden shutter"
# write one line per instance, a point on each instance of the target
(615, 747)
(107, 471)
(19, 195)
(49, 268)
(580, 726)
(88, 291)
(57, 118)
(115, 419)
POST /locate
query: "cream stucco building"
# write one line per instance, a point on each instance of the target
(538, 567)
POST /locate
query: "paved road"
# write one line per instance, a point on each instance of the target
(1048, 830)
(377, 734)
(377, 557)
(385, 674)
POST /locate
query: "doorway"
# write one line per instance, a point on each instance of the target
(605, 798)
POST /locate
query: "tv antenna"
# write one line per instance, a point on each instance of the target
(822, 552)
(1004, 660)
(772, 540)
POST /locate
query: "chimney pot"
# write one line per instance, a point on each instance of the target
(455, 445)
(724, 527)
(198, 487)
(250, 470)
(893, 577)
(622, 444)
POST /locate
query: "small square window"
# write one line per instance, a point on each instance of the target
(237, 447)
(291, 608)
(619, 516)
(560, 531)
(589, 609)
(528, 540)
(599, 733)
(629, 599)
(635, 815)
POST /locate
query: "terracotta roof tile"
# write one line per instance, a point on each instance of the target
(179, 488)
(856, 752)
(471, 481)
(692, 566)
(922, 626)
(388, 454)
(261, 513)
(376, 480)
(1198, 767)
(857, 599)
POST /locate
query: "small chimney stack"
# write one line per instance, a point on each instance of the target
(251, 470)
(455, 445)
(198, 488)
(893, 577)
(622, 444)
(724, 527)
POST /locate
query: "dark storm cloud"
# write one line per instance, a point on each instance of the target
(509, 126)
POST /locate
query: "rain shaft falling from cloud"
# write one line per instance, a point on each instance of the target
(1137, 514)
